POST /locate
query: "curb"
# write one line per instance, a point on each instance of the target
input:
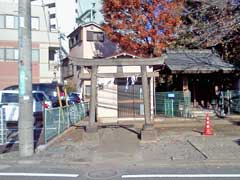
(159, 164)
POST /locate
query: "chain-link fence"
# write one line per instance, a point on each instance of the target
(59, 119)
(173, 104)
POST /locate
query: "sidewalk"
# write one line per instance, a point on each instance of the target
(177, 142)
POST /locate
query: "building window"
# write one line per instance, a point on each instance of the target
(53, 54)
(87, 91)
(35, 55)
(11, 22)
(95, 36)
(53, 27)
(70, 42)
(35, 23)
(52, 16)
(2, 53)
(51, 5)
(2, 21)
(12, 54)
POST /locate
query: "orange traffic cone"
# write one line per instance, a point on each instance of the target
(207, 129)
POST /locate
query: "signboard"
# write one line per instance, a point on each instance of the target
(22, 86)
(171, 95)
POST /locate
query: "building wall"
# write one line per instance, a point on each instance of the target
(77, 51)
(90, 49)
(89, 46)
(107, 106)
(42, 39)
(9, 74)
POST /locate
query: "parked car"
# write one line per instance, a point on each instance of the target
(73, 98)
(49, 88)
(9, 101)
(40, 101)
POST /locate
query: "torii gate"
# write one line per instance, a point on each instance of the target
(147, 132)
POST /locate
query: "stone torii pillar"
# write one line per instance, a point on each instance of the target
(148, 132)
(92, 125)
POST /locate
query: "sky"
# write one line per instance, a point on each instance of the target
(66, 15)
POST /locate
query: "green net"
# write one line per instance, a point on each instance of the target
(173, 104)
(57, 120)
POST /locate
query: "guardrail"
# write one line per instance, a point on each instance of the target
(59, 119)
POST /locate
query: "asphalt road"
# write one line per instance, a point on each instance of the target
(88, 172)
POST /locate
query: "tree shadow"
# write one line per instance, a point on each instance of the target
(237, 141)
(236, 123)
(12, 145)
(38, 134)
(198, 131)
(126, 127)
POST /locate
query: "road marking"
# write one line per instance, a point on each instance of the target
(182, 176)
(40, 175)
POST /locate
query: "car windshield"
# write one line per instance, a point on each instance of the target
(49, 89)
(73, 95)
(39, 97)
(9, 98)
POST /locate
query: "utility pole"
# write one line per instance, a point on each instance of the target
(25, 124)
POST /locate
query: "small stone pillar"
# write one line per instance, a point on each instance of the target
(92, 125)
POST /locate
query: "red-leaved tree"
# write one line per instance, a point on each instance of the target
(142, 27)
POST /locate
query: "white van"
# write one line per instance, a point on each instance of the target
(9, 101)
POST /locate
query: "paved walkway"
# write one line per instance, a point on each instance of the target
(178, 142)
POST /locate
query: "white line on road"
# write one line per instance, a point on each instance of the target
(182, 176)
(40, 175)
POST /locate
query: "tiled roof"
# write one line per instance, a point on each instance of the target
(196, 61)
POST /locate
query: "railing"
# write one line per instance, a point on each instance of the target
(2, 126)
(59, 119)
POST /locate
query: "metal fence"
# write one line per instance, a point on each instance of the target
(2, 126)
(173, 104)
(57, 120)
(231, 101)
(178, 104)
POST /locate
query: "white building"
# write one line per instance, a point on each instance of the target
(45, 67)
(62, 17)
